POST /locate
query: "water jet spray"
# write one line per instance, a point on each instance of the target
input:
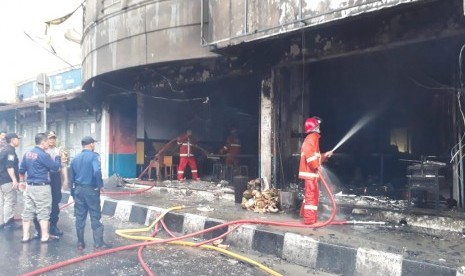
(361, 123)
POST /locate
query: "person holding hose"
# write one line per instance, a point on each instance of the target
(186, 146)
(232, 149)
(310, 162)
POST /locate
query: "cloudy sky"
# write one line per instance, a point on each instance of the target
(23, 59)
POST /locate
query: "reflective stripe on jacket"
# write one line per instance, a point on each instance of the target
(310, 157)
(233, 145)
(185, 147)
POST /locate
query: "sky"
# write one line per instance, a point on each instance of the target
(22, 59)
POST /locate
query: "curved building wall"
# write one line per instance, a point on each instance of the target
(120, 34)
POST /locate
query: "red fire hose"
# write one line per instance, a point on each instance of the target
(235, 222)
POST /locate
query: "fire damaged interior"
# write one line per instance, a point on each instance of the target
(172, 100)
(400, 96)
(408, 95)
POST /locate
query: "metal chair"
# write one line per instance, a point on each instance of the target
(228, 173)
(244, 170)
(217, 172)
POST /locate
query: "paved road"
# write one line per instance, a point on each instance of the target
(17, 258)
(438, 247)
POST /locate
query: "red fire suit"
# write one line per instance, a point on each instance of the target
(310, 161)
(232, 149)
(186, 157)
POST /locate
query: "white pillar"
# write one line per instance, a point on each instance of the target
(105, 141)
(266, 119)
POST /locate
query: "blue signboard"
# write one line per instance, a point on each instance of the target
(61, 82)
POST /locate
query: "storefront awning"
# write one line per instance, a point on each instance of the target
(50, 99)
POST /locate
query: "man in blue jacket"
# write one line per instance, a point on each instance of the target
(86, 181)
(37, 164)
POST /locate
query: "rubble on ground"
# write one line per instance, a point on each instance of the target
(260, 201)
(368, 201)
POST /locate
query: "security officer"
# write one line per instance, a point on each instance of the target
(8, 182)
(56, 185)
(86, 179)
(37, 196)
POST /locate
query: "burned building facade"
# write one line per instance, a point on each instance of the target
(157, 68)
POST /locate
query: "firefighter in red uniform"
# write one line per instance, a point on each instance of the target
(186, 156)
(232, 149)
(310, 162)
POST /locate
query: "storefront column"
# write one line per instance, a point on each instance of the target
(266, 123)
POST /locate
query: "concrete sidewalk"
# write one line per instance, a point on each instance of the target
(344, 250)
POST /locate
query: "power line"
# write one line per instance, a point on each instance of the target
(49, 51)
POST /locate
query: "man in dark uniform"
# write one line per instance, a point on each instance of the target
(8, 182)
(86, 179)
(37, 164)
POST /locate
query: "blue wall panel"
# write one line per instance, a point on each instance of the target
(123, 164)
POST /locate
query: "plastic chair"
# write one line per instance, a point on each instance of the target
(155, 164)
(170, 168)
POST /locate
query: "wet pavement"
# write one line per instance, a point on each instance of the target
(212, 200)
(216, 201)
(17, 258)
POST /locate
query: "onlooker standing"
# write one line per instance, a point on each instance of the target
(3, 143)
(56, 185)
(86, 179)
(37, 164)
(8, 181)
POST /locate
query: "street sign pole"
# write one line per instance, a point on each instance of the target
(45, 103)
(43, 85)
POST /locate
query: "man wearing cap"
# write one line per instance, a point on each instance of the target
(56, 185)
(8, 181)
(37, 164)
(86, 179)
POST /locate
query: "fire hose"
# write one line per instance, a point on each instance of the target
(237, 223)
(179, 240)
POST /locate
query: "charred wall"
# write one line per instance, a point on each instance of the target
(402, 65)
(135, 33)
(234, 22)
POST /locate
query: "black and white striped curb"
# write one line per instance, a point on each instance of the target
(295, 248)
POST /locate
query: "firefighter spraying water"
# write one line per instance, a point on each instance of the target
(311, 160)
